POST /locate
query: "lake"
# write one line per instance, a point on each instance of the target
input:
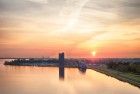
(45, 80)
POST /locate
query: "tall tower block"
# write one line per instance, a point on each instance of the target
(61, 65)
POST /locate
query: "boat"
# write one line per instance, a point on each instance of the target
(82, 67)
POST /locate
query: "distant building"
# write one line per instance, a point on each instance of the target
(61, 57)
(61, 65)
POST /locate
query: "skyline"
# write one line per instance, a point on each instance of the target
(80, 28)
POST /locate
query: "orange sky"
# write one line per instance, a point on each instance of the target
(36, 28)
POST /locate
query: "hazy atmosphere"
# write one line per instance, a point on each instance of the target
(69, 46)
(80, 28)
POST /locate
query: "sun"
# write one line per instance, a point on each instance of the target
(93, 53)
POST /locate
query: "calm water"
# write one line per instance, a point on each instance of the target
(45, 80)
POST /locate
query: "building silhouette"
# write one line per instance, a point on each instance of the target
(61, 65)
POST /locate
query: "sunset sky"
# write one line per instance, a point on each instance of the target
(80, 28)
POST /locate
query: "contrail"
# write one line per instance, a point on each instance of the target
(69, 16)
(73, 19)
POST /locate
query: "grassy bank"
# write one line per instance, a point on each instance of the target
(126, 77)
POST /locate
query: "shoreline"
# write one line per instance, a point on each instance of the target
(118, 75)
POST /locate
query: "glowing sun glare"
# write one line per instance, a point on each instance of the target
(93, 53)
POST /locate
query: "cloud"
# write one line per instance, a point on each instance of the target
(14, 6)
(125, 9)
(130, 9)
(72, 22)
(39, 1)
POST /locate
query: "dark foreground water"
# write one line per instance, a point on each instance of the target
(45, 80)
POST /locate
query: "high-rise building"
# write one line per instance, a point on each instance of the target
(61, 65)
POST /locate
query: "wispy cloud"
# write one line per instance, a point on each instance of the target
(69, 22)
